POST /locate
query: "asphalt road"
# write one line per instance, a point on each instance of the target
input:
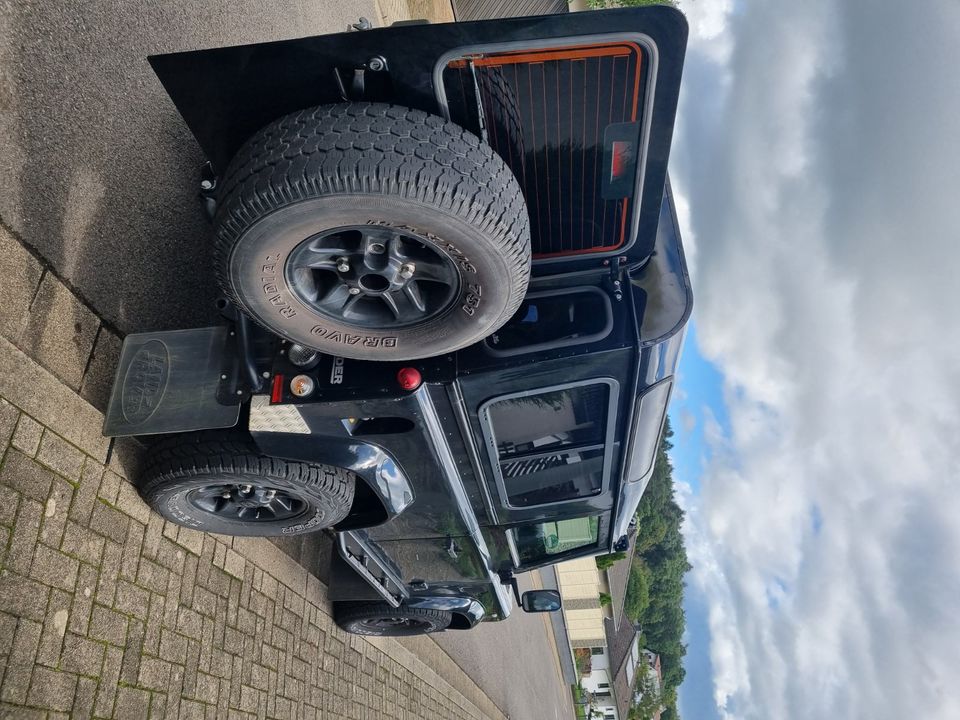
(99, 175)
(97, 171)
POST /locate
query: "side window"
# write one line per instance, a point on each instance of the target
(549, 446)
(539, 542)
(554, 319)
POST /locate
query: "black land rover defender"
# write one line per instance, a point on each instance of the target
(454, 300)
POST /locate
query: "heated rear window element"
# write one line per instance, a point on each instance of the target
(550, 446)
(567, 121)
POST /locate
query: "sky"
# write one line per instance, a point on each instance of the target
(817, 167)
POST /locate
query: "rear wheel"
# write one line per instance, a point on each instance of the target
(372, 231)
(219, 482)
(383, 620)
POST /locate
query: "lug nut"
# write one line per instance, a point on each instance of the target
(377, 248)
(354, 291)
(206, 185)
(407, 270)
(343, 265)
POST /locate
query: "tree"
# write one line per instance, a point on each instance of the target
(638, 591)
(655, 587)
(600, 4)
(606, 561)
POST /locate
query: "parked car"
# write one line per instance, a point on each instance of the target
(454, 297)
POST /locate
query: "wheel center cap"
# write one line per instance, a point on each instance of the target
(374, 283)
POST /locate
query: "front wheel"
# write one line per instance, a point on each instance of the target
(383, 620)
(219, 482)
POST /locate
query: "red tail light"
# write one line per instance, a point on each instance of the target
(409, 378)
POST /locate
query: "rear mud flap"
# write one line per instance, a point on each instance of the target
(168, 382)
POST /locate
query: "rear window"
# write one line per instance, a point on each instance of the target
(549, 446)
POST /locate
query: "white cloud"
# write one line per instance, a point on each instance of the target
(818, 151)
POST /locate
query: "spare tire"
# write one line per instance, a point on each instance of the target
(372, 231)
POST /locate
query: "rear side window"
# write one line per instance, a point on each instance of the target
(549, 446)
(554, 319)
(538, 542)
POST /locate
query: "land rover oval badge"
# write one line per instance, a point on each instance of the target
(145, 382)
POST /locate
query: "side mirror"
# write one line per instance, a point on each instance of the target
(541, 601)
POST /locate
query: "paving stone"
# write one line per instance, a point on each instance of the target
(86, 493)
(110, 486)
(55, 512)
(108, 626)
(54, 628)
(52, 690)
(154, 673)
(21, 273)
(132, 704)
(192, 710)
(22, 474)
(130, 667)
(192, 540)
(153, 536)
(22, 597)
(131, 551)
(82, 543)
(171, 556)
(132, 600)
(82, 656)
(83, 699)
(9, 415)
(9, 503)
(26, 532)
(52, 567)
(158, 706)
(152, 576)
(27, 436)
(60, 456)
(60, 331)
(129, 502)
(190, 623)
(83, 600)
(109, 568)
(98, 380)
(109, 522)
(107, 690)
(234, 564)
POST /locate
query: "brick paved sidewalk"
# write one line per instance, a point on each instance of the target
(108, 611)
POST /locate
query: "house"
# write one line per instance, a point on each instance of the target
(596, 632)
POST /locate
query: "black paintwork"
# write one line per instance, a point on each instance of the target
(227, 94)
(429, 505)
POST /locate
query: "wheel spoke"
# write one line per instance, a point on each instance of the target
(335, 299)
(434, 271)
(324, 262)
(283, 502)
(412, 291)
(402, 306)
(211, 504)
